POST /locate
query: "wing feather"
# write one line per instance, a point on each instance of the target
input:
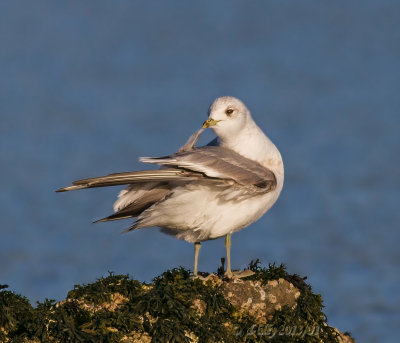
(133, 177)
(221, 163)
(147, 199)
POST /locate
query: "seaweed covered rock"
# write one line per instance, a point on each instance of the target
(269, 306)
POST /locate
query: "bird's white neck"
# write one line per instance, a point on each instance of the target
(258, 147)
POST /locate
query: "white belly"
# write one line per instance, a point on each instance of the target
(197, 214)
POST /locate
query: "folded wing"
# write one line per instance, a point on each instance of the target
(205, 164)
(219, 163)
(133, 177)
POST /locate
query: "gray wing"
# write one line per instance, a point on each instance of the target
(207, 164)
(190, 143)
(219, 163)
(148, 187)
(143, 176)
(162, 175)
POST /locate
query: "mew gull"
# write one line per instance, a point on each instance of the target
(203, 193)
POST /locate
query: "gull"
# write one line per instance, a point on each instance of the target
(203, 193)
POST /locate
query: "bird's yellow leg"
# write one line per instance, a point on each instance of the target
(229, 273)
(197, 247)
(228, 255)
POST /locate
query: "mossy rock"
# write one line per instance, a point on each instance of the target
(270, 306)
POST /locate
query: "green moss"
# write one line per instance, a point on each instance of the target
(172, 302)
(306, 323)
(173, 308)
(266, 274)
(110, 326)
(101, 290)
(13, 309)
(68, 321)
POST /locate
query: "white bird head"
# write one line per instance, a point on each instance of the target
(227, 116)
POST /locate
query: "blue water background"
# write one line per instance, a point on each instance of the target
(88, 87)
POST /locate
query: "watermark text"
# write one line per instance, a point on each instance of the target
(270, 331)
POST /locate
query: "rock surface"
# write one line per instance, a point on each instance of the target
(258, 300)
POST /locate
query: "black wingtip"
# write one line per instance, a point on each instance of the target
(131, 228)
(107, 219)
(100, 220)
(113, 217)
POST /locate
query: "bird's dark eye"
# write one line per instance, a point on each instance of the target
(229, 111)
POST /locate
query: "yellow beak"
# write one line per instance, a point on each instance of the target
(210, 122)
